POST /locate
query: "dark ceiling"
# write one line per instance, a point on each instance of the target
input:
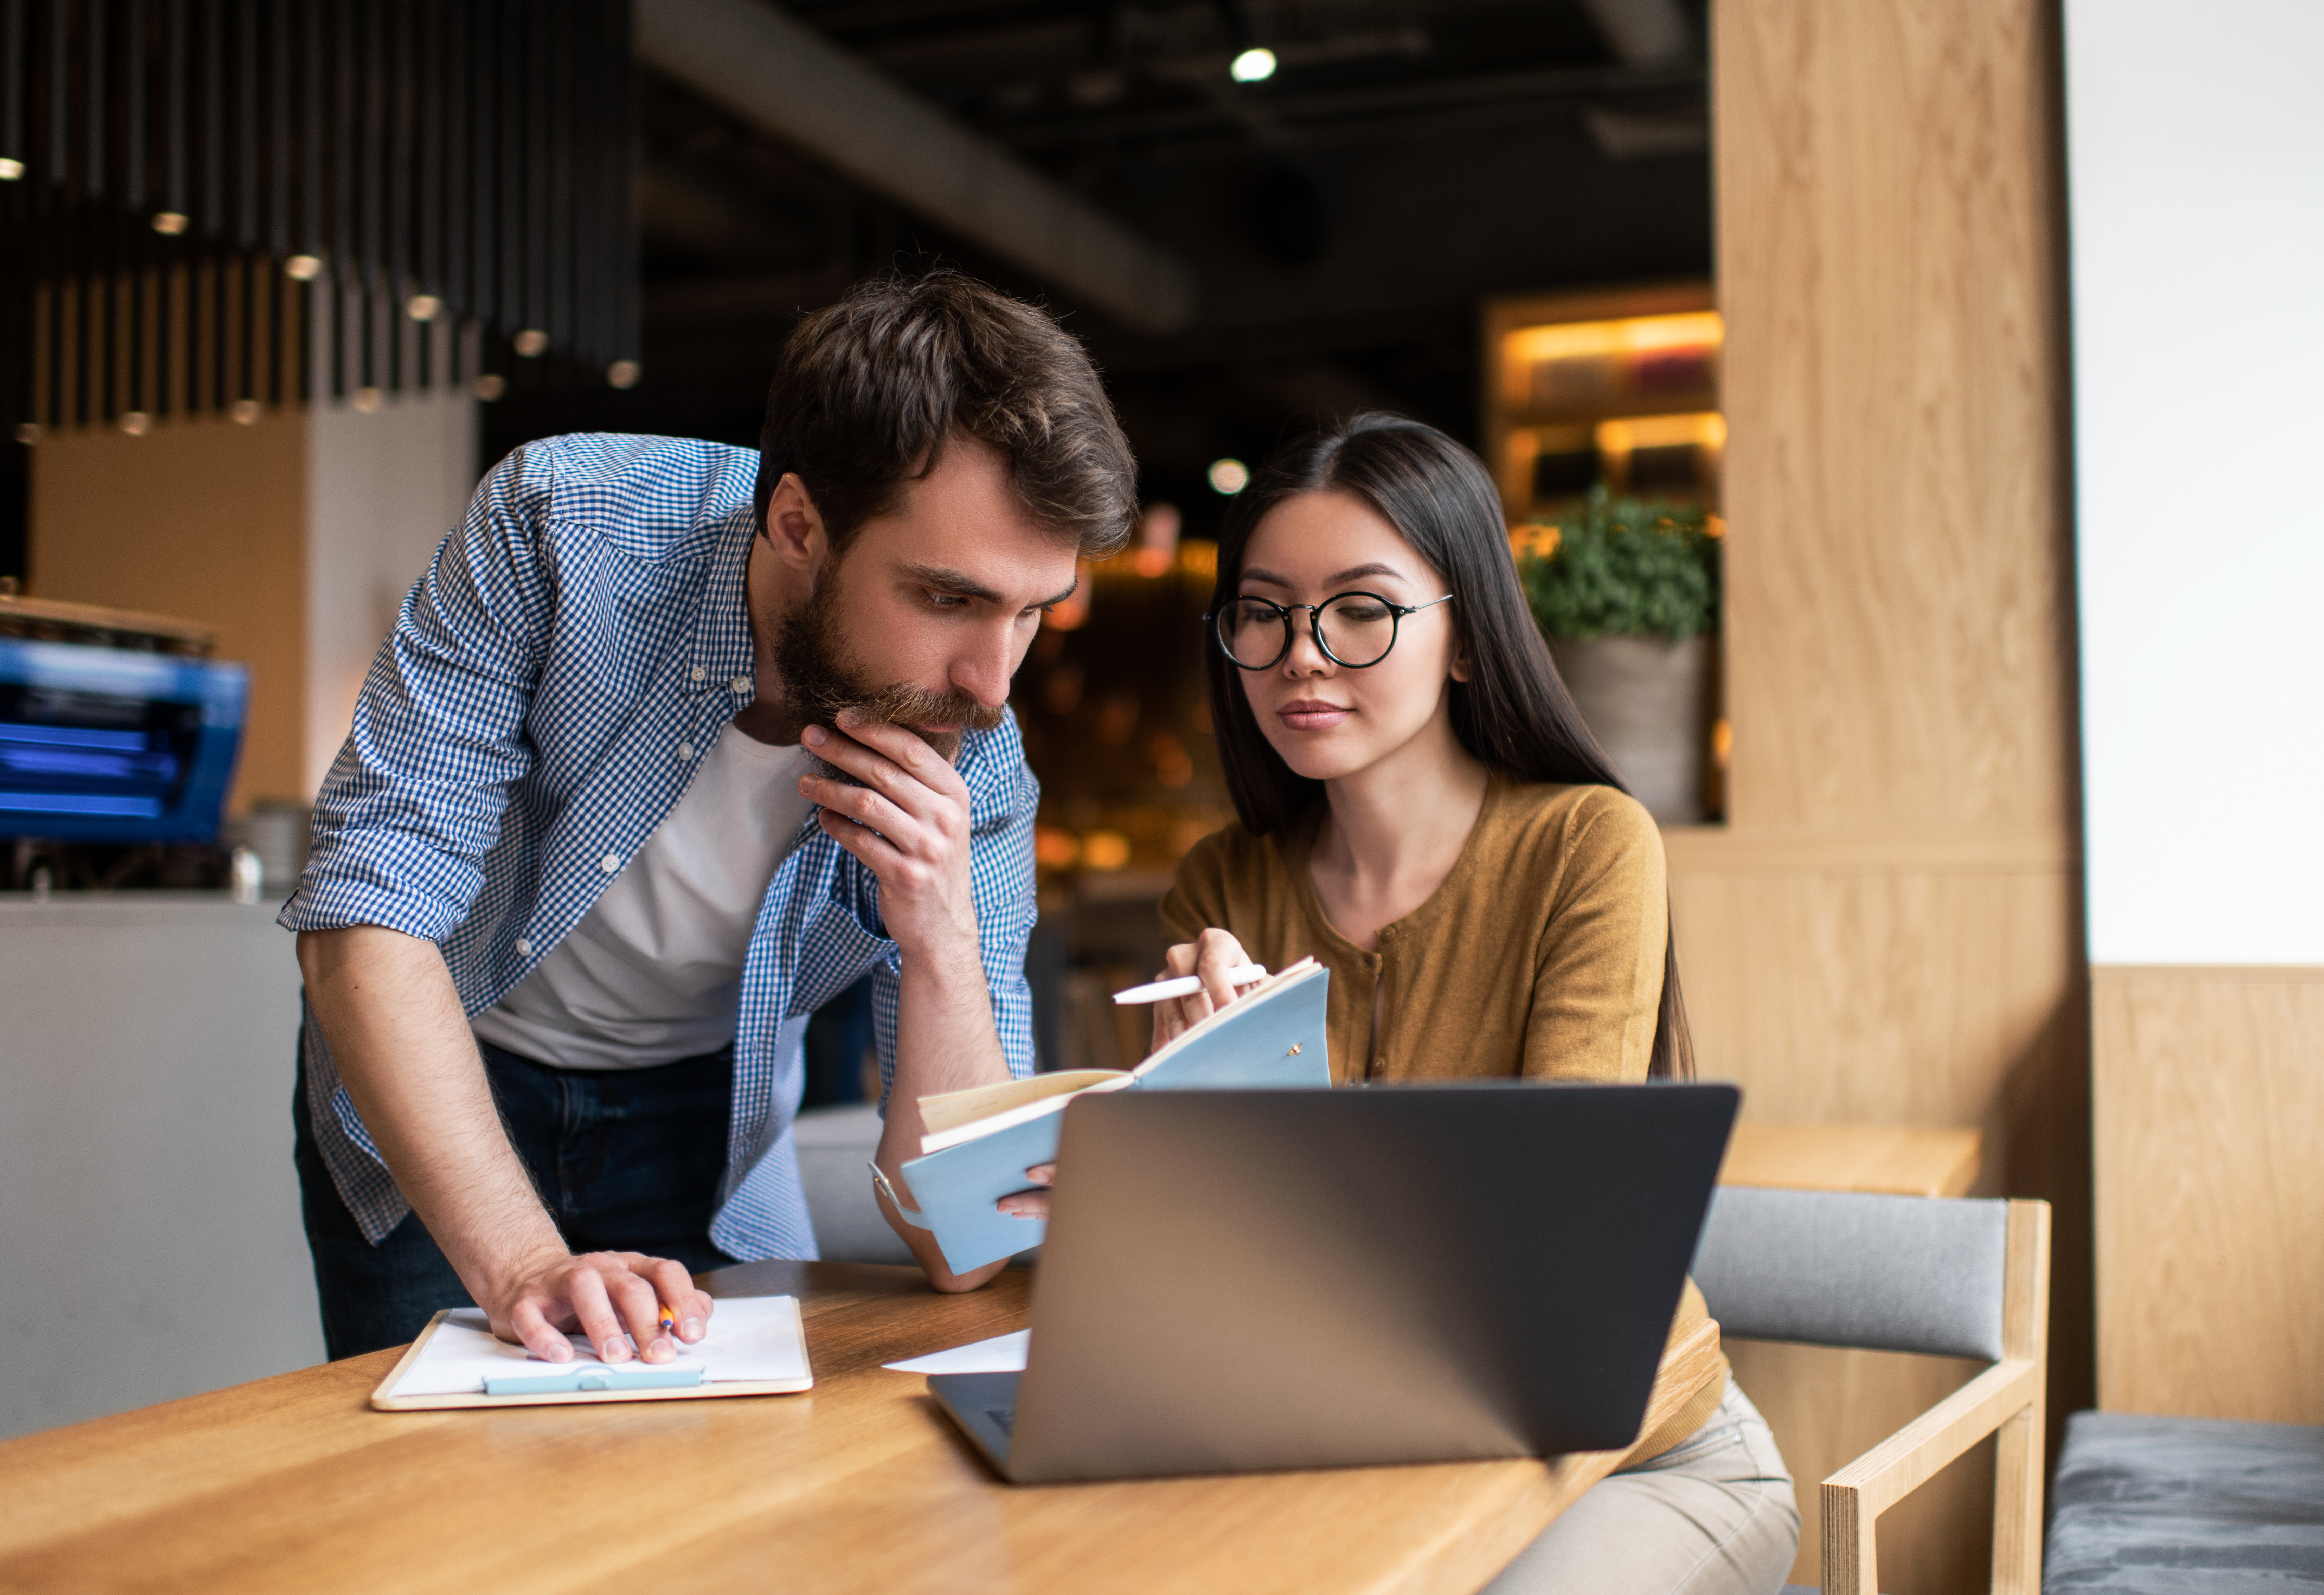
(1342, 221)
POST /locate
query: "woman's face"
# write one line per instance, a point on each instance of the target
(1327, 719)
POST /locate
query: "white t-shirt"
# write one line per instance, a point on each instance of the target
(653, 973)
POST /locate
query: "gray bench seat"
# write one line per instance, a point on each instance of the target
(2153, 1506)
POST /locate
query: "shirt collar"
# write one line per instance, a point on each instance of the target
(721, 649)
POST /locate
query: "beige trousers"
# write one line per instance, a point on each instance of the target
(1713, 1516)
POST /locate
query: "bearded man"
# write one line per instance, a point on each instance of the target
(671, 744)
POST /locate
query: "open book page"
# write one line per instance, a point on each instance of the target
(961, 1116)
(1025, 1111)
(749, 1339)
(948, 1110)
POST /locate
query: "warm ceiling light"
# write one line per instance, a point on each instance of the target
(1707, 429)
(1634, 335)
(1228, 477)
(424, 307)
(490, 386)
(531, 342)
(624, 373)
(303, 268)
(245, 412)
(1252, 66)
(10, 170)
(170, 223)
(136, 423)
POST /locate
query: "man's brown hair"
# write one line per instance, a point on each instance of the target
(868, 391)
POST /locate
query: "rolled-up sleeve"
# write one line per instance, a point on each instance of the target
(416, 797)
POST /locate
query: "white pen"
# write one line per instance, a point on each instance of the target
(1187, 985)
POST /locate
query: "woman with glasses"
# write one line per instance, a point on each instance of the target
(1423, 811)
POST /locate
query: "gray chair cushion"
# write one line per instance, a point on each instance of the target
(2148, 1506)
(1835, 1269)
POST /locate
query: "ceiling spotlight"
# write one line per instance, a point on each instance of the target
(531, 342)
(367, 400)
(1228, 477)
(136, 423)
(424, 307)
(303, 268)
(1252, 66)
(28, 433)
(10, 170)
(624, 373)
(245, 412)
(490, 386)
(171, 223)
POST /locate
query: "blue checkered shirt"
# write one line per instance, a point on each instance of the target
(516, 742)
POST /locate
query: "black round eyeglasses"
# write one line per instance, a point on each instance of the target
(1353, 630)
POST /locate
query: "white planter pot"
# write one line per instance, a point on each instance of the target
(1649, 703)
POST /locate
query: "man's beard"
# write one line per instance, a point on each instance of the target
(821, 680)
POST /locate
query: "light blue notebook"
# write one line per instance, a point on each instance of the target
(980, 1142)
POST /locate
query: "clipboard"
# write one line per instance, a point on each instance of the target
(756, 1346)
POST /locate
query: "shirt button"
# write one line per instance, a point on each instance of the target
(685, 749)
(741, 684)
(610, 862)
(524, 948)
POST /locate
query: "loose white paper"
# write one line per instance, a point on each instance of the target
(1003, 1353)
(751, 1337)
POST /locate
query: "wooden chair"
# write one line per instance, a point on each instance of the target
(1937, 1276)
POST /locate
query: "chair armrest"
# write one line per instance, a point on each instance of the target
(1858, 1493)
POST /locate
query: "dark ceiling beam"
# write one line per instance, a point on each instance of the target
(1560, 85)
(1643, 33)
(787, 80)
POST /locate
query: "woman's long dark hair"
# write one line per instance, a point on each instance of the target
(1514, 714)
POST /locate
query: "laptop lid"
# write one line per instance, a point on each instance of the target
(1248, 1279)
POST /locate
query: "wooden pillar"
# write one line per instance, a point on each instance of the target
(1887, 930)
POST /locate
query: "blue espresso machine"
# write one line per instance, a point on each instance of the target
(111, 745)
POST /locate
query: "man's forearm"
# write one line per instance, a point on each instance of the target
(946, 1040)
(401, 1043)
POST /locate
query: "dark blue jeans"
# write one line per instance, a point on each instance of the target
(624, 1160)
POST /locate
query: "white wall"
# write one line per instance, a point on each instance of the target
(2195, 134)
(149, 1212)
(383, 488)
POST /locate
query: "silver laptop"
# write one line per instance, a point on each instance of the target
(1246, 1280)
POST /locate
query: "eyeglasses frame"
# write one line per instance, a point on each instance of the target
(1397, 611)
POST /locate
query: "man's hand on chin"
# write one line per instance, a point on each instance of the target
(909, 824)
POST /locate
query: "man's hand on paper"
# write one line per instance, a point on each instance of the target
(610, 1296)
(1211, 956)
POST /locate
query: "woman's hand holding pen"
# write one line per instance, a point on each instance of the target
(1215, 957)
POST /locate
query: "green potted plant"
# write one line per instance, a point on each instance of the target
(1627, 591)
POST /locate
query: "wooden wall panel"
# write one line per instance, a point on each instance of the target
(204, 519)
(2208, 1086)
(1887, 929)
(1889, 268)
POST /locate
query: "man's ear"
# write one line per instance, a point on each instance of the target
(794, 528)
